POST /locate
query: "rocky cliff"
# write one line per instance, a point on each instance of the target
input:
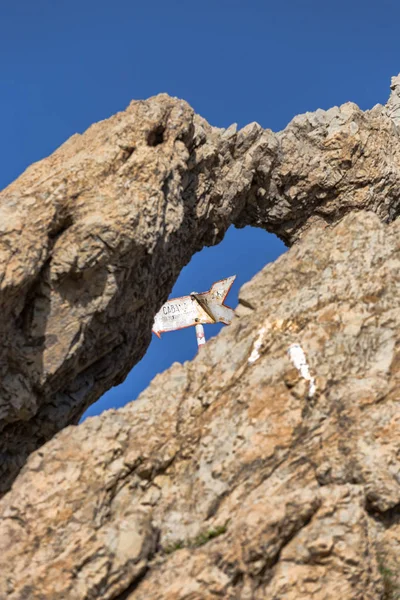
(266, 468)
(269, 466)
(86, 233)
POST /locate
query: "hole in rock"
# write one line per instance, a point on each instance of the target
(127, 153)
(60, 227)
(156, 136)
(243, 252)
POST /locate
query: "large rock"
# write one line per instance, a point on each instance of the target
(267, 468)
(93, 238)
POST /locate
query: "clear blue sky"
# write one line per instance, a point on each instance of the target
(64, 65)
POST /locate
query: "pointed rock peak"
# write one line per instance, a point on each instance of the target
(393, 104)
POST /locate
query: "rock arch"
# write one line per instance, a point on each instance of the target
(93, 237)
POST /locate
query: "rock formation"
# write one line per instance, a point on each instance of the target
(93, 238)
(268, 467)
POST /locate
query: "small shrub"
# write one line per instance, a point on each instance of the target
(391, 590)
(206, 536)
(178, 545)
(199, 540)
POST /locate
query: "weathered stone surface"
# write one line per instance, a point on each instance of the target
(393, 105)
(93, 237)
(240, 474)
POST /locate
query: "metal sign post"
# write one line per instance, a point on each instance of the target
(196, 310)
(200, 337)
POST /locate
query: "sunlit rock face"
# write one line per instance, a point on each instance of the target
(93, 238)
(266, 468)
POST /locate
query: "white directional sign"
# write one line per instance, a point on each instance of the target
(186, 311)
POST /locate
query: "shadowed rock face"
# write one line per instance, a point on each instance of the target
(267, 468)
(93, 238)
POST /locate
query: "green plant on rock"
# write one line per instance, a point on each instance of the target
(391, 590)
(206, 536)
(200, 539)
(178, 545)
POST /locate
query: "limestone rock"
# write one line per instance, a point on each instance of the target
(93, 237)
(394, 100)
(267, 468)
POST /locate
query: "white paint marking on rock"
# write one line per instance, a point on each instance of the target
(255, 353)
(298, 358)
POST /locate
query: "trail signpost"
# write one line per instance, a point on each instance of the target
(196, 310)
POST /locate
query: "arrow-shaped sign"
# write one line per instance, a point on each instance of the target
(186, 311)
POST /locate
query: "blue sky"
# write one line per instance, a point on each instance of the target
(65, 65)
